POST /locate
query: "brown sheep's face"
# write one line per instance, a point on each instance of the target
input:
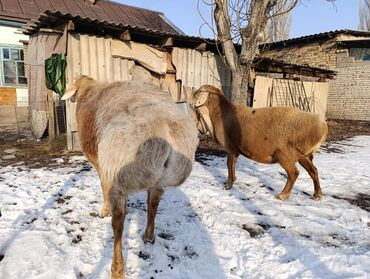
(199, 106)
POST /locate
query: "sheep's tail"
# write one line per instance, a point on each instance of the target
(320, 141)
(156, 164)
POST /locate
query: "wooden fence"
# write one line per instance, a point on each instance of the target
(305, 95)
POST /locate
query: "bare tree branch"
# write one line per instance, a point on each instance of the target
(243, 22)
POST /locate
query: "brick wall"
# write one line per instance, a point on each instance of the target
(320, 55)
(349, 93)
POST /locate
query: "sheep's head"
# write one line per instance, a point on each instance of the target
(200, 105)
(81, 82)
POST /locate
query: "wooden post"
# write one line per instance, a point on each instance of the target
(51, 116)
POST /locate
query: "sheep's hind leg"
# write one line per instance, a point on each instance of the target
(154, 197)
(308, 165)
(231, 163)
(293, 173)
(105, 188)
(118, 202)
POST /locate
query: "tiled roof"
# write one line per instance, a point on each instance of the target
(103, 11)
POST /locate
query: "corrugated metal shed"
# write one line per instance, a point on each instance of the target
(91, 55)
(195, 68)
(103, 11)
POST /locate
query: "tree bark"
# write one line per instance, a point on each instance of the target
(256, 15)
(251, 35)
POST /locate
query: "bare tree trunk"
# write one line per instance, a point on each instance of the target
(364, 15)
(247, 21)
(279, 24)
(251, 35)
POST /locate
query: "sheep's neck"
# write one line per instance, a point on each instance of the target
(222, 117)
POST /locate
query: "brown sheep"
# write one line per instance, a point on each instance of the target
(266, 135)
(137, 139)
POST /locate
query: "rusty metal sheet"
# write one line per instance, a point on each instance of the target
(117, 13)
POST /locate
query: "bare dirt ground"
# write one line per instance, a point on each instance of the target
(17, 146)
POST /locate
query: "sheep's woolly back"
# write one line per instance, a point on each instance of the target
(134, 118)
(286, 126)
(263, 131)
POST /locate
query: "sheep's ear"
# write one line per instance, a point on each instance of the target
(69, 93)
(202, 98)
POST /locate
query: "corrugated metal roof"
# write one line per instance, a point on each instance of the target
(179, 40)
(48, 17)
(315, 37)
(103, 11)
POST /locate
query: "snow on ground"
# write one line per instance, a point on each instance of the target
(49, 226)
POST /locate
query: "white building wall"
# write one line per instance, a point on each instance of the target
(10, 36)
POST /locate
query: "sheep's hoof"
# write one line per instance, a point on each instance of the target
(281, 197)
(117, 274)
(317, 197)
(148, 240)
(104, 213)
(228, 185)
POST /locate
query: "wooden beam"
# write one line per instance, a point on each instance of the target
(201, 47)
(70, 26)
(49, 30)
(125, 36)
(51, 115)
(168, 42)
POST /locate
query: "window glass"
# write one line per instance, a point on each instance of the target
(15, 54)
(22, 80)
(6, 53)
(360, 53)
(20, 69)
(13, 70)
(9, 69)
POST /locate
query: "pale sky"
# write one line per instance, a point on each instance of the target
(309, 17)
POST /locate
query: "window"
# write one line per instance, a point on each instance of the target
(360, 53)
(12, 60)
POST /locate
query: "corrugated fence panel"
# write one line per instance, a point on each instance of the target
(195, 68)
(91, 55)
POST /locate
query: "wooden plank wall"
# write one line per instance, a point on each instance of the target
(269, 92)
(41, 46)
